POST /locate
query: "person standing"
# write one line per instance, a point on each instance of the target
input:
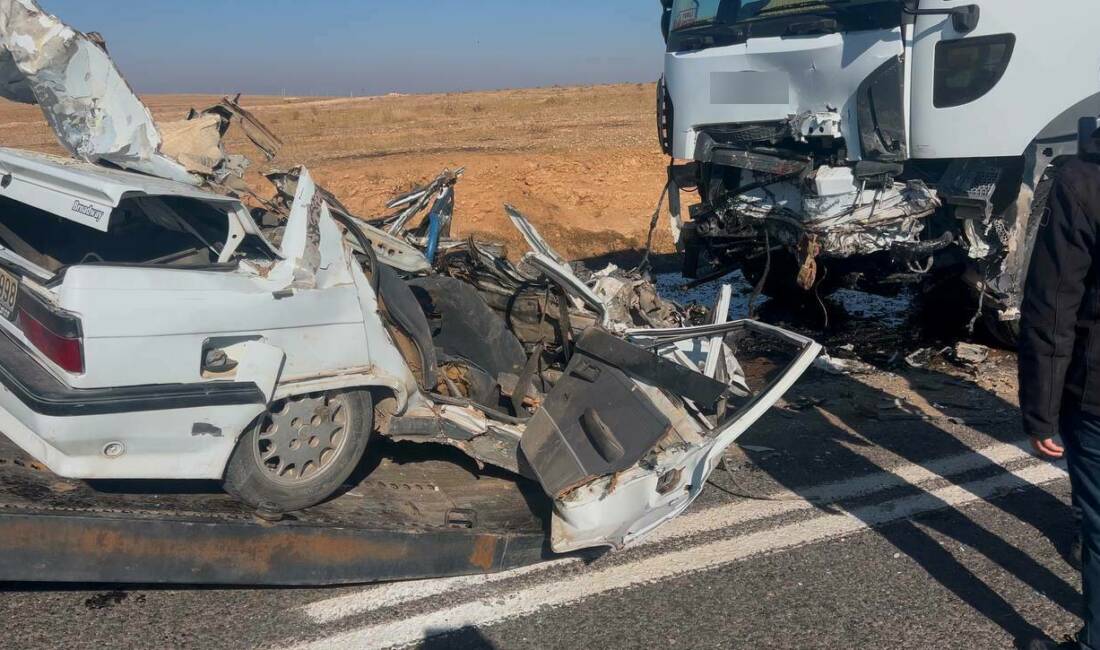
(1059, 361)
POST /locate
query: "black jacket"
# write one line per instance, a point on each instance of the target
(1060, 330)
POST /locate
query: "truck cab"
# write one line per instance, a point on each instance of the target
(878, 142)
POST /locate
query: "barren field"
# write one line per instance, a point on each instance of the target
(582, 162)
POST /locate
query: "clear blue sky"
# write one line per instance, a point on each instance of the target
(337, 47)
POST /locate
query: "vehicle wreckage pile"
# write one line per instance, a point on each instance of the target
(274, 333)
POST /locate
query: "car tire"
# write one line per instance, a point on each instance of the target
(301, 451)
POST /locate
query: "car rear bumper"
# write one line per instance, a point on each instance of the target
(157, 431)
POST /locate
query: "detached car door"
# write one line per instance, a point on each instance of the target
(628, 437)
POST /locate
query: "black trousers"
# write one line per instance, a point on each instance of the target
(1081, 435)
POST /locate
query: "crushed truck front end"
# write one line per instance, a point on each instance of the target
(877, 144)
(792, 115)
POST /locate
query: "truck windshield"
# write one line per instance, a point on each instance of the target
(709, 23)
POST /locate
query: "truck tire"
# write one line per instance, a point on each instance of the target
(1007, 333)
(301, 451)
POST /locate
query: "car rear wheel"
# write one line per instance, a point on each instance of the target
(301, 451)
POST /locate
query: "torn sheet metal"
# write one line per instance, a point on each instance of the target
(417, 200)
(91, 108)
(620, 509)
(390, 249)
(195, 143)
(545, 259)
(721, 315)
(855, 221)
(198, 142)
(301, 242)
(231, 112)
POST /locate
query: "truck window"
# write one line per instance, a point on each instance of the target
(968, 68)
(698, 24)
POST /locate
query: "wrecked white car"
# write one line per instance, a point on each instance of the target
(154, 327)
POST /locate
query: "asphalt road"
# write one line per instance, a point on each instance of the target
(889, 510)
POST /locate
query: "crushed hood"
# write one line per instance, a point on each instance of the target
(98, 117)
(89, 105)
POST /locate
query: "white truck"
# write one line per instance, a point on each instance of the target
(873, 143)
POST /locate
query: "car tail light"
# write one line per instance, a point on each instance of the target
(57, 335)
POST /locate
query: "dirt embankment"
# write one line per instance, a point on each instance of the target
(582, 162)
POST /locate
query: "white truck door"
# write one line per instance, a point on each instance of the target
(990, 91)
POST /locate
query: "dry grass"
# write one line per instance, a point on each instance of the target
(582, 161)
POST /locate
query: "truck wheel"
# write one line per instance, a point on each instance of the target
(301, 451)
(1004, 332)
(1007, 333)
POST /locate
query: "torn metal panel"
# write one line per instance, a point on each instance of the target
(395, 252)
(195, 143)
(417, 200)
(721, 315)
(231, 112)
(596, 422)
(92, 110)
(391, 250)
(621, 509)
(302, 237)
(545, 259)
(199, 142)
(465, 428)
(846, 217)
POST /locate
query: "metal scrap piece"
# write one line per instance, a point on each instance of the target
(545, 259)
(390, 250)
(230, 110)
(198, 142)
(195, 143)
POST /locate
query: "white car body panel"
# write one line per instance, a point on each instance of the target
(56, 184)
(166, 314)
(304, 323)
(156, 444)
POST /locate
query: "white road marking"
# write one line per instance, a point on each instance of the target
(692, 523)
(507, 606)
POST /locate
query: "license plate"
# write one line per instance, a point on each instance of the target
(9, 291)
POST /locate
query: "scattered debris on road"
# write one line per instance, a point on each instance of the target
(970, 355)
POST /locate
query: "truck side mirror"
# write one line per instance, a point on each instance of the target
(666, 18)
(1088, 134)
(964, 19)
